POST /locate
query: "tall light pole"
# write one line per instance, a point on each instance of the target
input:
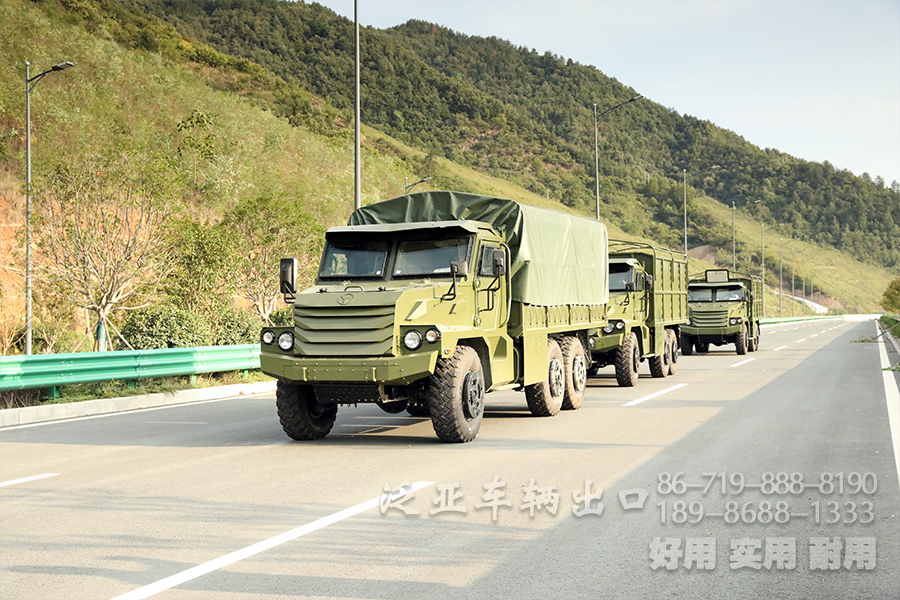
(596, 148)
(762, 262)
(793, 294)
(684, 182)
(357, 167)
(733, 240)
(30, 82)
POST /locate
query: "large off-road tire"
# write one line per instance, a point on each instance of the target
(659, 365)
(575, 372)
(673, 351)
(455, 396)
(628, 360)
(702, 347)
(687, 345)
(740, 344)
(545, 398)
(302, 418)
(754, 343)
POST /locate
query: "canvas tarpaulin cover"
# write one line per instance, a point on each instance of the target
(555, 258)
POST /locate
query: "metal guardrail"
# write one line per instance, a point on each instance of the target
(55, 370)
(774, 320)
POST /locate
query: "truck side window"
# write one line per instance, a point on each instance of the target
(486, 264)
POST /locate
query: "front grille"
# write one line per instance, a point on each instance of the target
(344, 330)
(709, 318)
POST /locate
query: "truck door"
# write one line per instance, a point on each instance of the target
(492, 289)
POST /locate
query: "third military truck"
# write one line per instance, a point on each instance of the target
(647, 306)
(427, 301)
(725, 308)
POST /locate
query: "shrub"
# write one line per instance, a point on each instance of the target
(236, 326)
(166, 326)
(283, 317)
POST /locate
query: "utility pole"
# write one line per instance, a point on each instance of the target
(357, 179)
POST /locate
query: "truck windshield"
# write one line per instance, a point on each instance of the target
(718, 294)
(619, 275)
(354, 260)
(429, 258)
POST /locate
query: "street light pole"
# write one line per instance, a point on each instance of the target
(733, 240)
(781, 282)
(357, 167)
(597, 150)
(684, 180)
(30, 82)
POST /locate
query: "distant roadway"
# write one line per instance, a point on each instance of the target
(769, 475)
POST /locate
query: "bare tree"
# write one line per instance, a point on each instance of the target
(101, 234)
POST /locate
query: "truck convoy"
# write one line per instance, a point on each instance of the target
(724, 308)
(427, 301)
(647, 305)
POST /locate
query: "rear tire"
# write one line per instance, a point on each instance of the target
(455, 396)
(302, 418)
(740, 344)
(659, 365)
(545, 398)
(673, 345)
(687, 346)
(575, 368)
(627, 361)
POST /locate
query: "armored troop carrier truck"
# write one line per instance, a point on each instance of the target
(647, 305)
(427, 301)
(725, 308)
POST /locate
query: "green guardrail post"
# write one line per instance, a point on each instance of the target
(54, 392)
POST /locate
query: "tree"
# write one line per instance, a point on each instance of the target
(890, 301)
(100, 231)
(267, 229)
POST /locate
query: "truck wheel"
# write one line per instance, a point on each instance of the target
(659, 365)
(740, 344)
(545, 398)
(687, 346)
(302, 418)
(455, 396)
(673, 351)
(756, 343)
(575, 369)
(702, 347)
(628, 360)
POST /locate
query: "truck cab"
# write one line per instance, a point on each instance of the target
(724, 309)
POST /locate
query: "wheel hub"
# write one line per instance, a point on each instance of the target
(556, 378)
(473, 395)
(579, 373)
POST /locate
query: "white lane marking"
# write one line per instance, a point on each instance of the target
(27, 479)
(891, 398)
(655, 394)
(229, 559)
(823, 331)
(743, 362)
(814, 335)
(779, 348)
(803, 340)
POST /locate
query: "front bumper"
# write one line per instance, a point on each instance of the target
(391, 370)
(710, 331)
(606, 342)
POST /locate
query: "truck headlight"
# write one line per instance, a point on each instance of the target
(268, 337)
(609, 328)
(735, 320)
(432, 335)
(620, 325)
(286, 341)
(688, 322)
(412, 340)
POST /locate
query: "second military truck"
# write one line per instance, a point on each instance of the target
(647, 305)
(425, 302)
(725, 308)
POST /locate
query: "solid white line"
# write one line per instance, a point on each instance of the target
(223, 561)
(892, 399)
(25, 479)
(803, 340)
(655, 394)
(743, 362)
(779, 348)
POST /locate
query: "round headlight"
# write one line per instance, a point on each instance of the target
(609, 328)
(268, 336)
(620, 325)
(432, 335)
(733, 321)
(286, 341)
(688, 322)
(412, 340)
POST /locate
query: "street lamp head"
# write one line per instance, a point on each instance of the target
(61, 66)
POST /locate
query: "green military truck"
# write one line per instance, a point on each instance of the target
(725, 308)
(647, 305)
(425, 302)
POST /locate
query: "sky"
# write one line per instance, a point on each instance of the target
(816, 79)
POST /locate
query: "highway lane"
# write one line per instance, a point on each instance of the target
(140, 497)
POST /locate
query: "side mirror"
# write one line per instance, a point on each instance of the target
(649, 282)
(459, 267)
(288, 276)
(629, 287)
(499, 263)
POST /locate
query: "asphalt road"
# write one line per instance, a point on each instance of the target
(770, 475)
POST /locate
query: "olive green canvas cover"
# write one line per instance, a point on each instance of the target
(555, 258)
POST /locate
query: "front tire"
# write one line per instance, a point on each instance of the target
(455, 396)
(740, 344)
(659, 365)
(627, 361)
(575, 368)
(545, 398)
(687, 346)
(302, 418)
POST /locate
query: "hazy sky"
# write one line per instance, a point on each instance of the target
(817, 79)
